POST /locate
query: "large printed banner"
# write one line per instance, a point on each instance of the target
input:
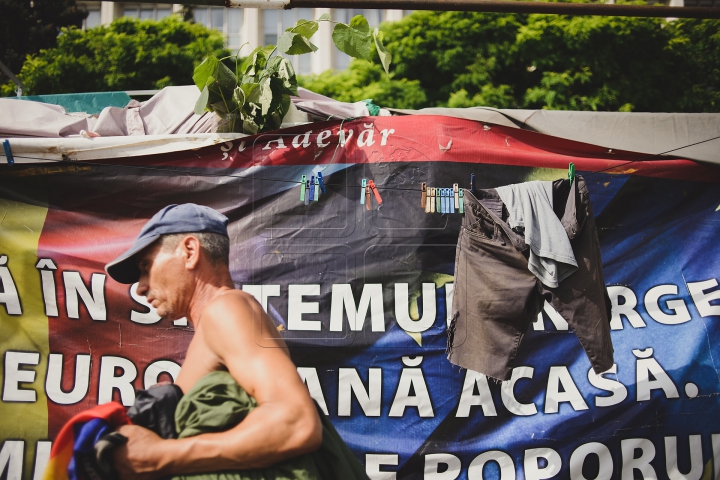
(360, 292)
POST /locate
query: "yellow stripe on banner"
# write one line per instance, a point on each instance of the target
(20, 228)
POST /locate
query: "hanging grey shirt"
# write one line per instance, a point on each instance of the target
(530, 206)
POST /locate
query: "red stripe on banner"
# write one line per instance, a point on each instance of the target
(81, 243)
(423, 139)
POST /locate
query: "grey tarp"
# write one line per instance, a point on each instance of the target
(171, 112)
(651, 133)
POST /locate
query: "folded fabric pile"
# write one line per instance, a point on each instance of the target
(216, 403)
(81, 449)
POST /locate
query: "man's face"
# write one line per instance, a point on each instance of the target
(163, 280)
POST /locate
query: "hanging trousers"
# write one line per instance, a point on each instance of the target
(496, 297)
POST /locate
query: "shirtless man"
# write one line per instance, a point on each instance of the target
(186, 275)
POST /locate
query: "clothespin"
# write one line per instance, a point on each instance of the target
(423, 195)
(472, 183)
(571, 172)
(462, 202)
(428, 199)
(371, 184)
(316, 197)
(8, 152)
(457, 195)
(438, 200)
(307, 196)
(447, 199)
(367, 198)
(452, 201)
(321, 182)
(302, 188)
(363, 191)
(312, 188)
(432, 199)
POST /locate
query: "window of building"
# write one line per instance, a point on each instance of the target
(146, 11)
(234, 25)
(271, 18)
(92, 20)
(344, 15)
(275, 22)
(226, 20)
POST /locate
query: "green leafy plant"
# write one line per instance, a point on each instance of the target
(256, 96)
(129, 54)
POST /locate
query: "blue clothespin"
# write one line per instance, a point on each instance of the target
(316, 197)
(362, 191)
(320, 181)
(452, 198)
(8, 152)
(571, 172)
(312, 187)
(302, 188)
(472, 183)
(445, 208)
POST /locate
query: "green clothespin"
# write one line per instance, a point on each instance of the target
(373, 109)
(571, 172)
(302, 188)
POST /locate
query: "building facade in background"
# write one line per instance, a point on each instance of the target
(246, 28)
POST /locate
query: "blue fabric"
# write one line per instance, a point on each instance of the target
(86, 435)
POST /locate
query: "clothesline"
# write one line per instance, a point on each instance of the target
(298, 182)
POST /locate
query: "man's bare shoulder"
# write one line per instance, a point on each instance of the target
(234, 312)
(232, 305)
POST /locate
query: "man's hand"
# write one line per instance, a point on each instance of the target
(140, 458)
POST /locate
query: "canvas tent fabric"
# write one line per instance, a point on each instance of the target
(643, 132)
(171, 111)
(695, 136)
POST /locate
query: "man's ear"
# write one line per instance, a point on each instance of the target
(190, 246)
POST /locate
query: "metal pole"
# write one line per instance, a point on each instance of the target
(506, 6)
(15, 80)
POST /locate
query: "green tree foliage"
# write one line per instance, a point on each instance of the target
(127, 55)
(367, 80)
(462, 59)
(28, 26)
(699, 40)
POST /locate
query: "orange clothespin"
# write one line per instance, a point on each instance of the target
(367, 198)
(371, 184)
(423, 195)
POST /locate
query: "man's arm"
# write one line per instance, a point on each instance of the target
(285, 423)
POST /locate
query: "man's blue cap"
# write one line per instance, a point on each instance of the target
(185, 218)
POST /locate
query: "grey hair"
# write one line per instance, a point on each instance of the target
(216, 246)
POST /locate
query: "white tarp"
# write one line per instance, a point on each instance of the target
(643, 132)
(167, 123)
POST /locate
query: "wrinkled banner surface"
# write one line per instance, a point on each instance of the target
(361, 297)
